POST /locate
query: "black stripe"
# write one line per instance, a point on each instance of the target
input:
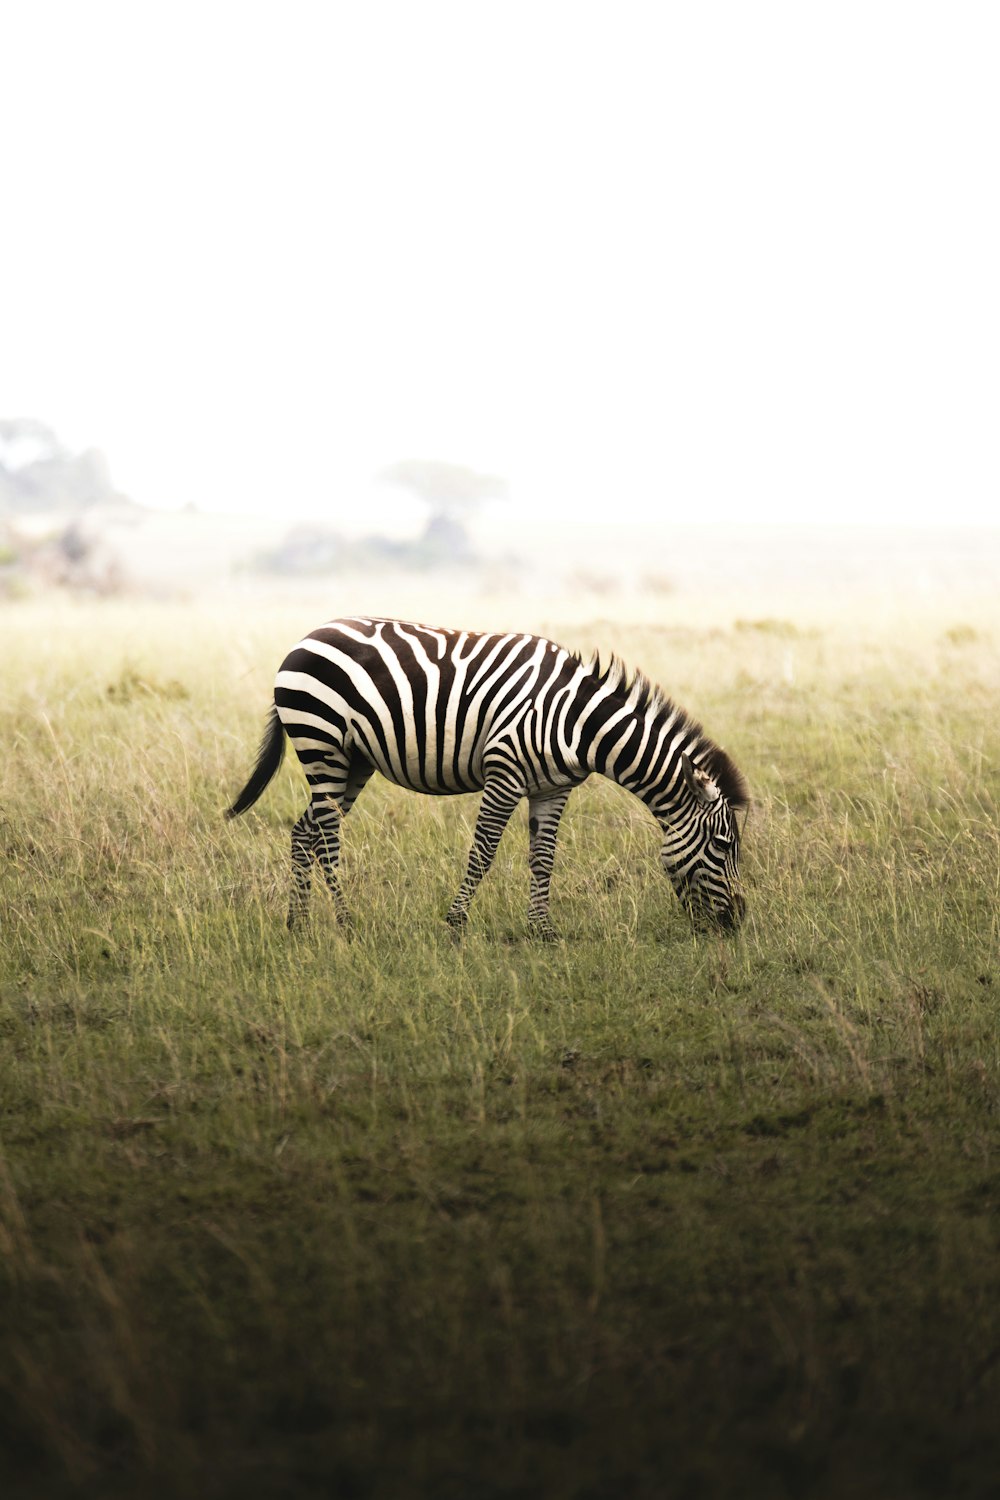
(416, 676)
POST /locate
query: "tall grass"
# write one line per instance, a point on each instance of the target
(639, 1213)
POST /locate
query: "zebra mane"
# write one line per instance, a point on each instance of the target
(636, 691)
(634, 688)
(725, 773)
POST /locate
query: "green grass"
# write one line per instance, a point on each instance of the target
(639, 1214)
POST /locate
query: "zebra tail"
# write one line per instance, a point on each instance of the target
(269, 758)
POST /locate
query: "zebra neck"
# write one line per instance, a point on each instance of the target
(636, 745)
(643, 755)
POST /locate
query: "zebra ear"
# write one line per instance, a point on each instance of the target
(699, 783)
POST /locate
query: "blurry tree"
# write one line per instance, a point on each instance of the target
(451, 490)
(38, 473)
(22, 440)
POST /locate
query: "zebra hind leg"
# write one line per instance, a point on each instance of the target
(335, 782)
(316, 835)
(328, 819)
(303, 845)
(544, 812)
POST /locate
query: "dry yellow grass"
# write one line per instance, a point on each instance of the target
(396, 1216)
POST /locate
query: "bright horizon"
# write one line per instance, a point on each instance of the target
(649, 262)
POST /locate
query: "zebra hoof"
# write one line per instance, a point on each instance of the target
(457, 923)
(544, 932)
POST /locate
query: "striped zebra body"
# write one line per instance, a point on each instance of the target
(509, 715)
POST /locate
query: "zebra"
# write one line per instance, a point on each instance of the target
(511, 716)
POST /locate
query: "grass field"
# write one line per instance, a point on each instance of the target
(637, 1214)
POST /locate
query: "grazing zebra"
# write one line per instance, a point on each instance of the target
(512, 716)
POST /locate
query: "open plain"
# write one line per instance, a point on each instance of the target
(637, 1214)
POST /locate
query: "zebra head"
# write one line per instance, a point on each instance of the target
(701, 842)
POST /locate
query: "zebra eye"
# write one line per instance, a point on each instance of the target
(720, 841)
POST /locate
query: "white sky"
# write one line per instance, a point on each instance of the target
(678, 260)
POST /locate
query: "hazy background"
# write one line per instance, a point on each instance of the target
(652, 280)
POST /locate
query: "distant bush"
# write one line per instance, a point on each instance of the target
(961, 635)
(783, 628)
(130, 685)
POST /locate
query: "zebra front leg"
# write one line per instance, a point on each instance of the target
(499, 800)
(544, 811)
